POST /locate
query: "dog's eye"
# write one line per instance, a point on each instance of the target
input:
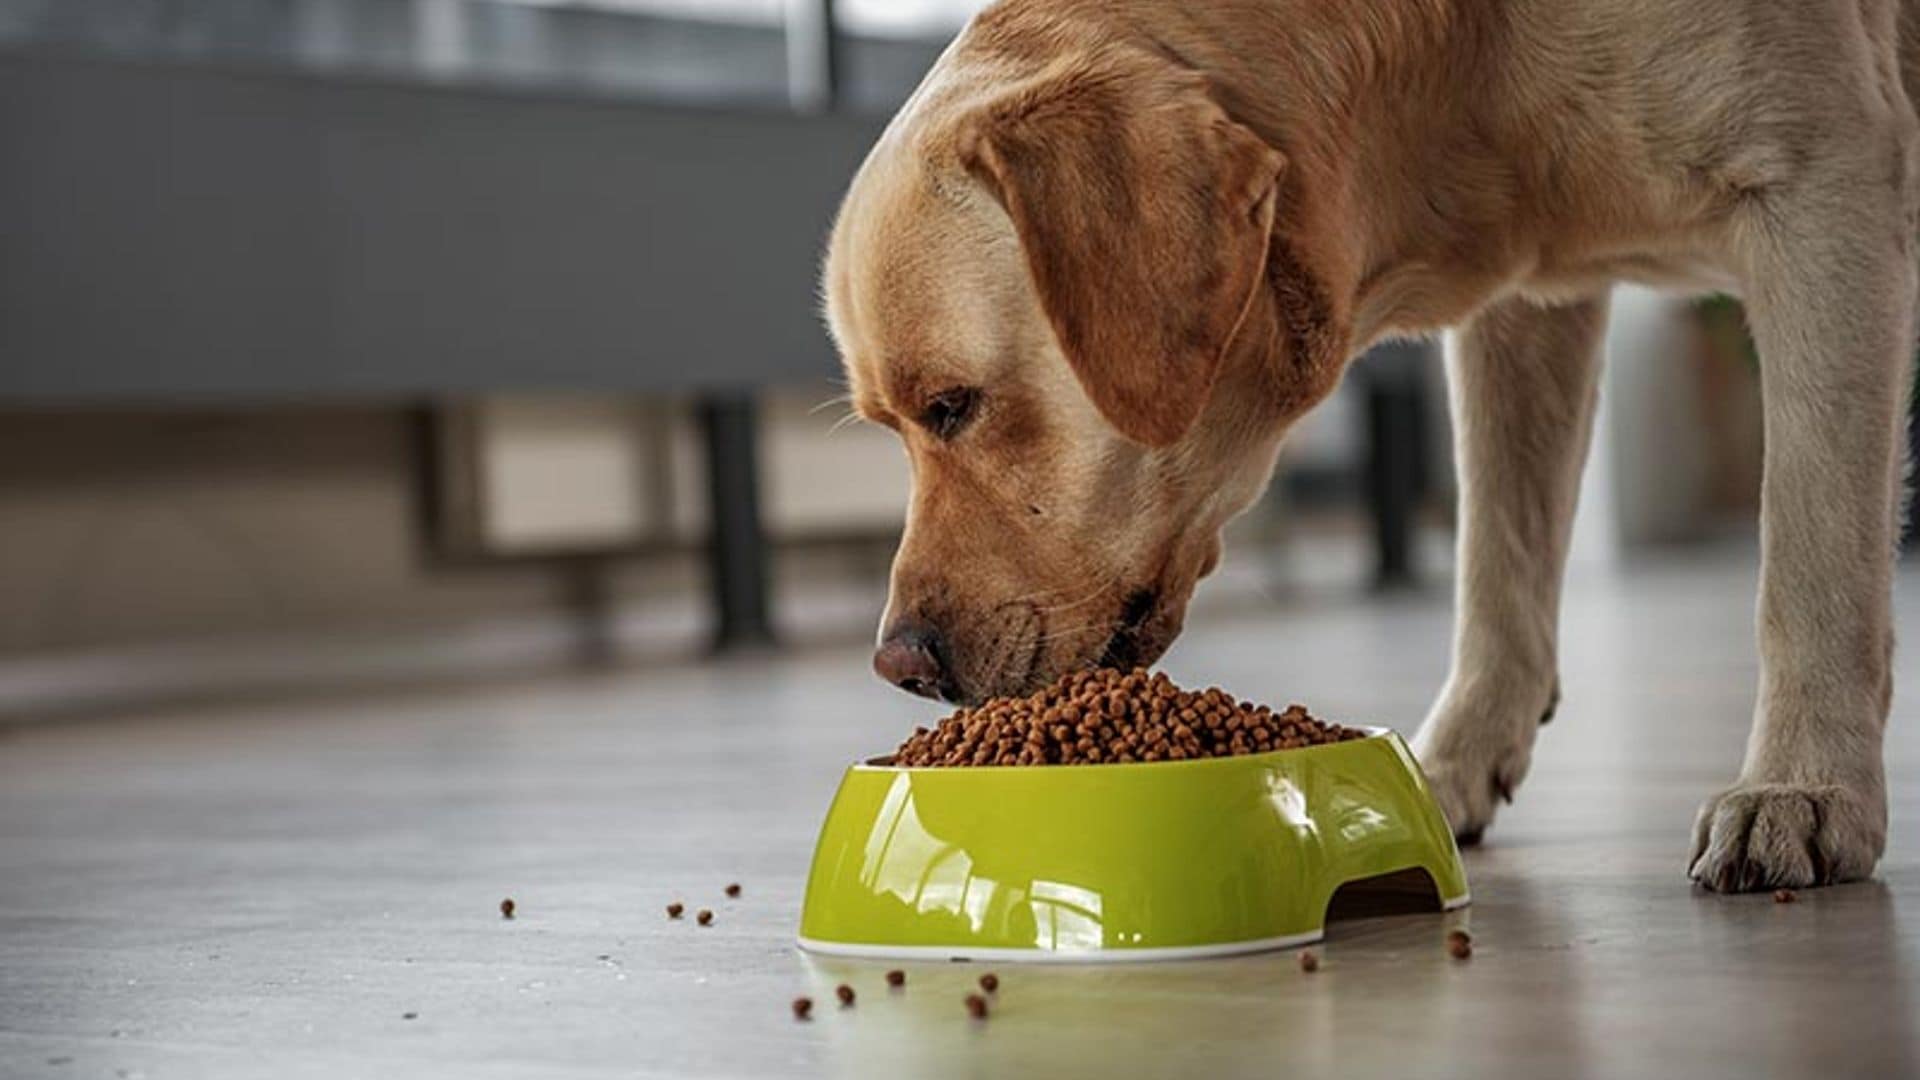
(949, 411)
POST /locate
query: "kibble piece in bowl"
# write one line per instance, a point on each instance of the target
(1113, 717)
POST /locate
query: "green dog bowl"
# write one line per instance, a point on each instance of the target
(1085, 863)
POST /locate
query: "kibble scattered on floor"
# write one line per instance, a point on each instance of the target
(802, 1008)
(844, 993)
(506, 908)
(674, 909)
(1784, 896)
(1109, 716)
(1309, 961)
(896, 978)
(976, 1006)
(1459, 944)
(733, 890)
(704, 918)
(990, 982)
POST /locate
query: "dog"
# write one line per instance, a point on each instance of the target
(1110, 250)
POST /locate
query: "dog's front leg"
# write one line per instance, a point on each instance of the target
(1831, 303)
(1523, 381)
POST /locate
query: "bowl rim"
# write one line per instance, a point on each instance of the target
(883, 762)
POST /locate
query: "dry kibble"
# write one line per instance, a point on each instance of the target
(704, 918)
(674, 909)
(733, 889)
(844, 993)
(990, 982)
(1784, 896)
(802, 1008)
(506, 908)
(1459, 944)
(1309, 961)
(1110, 716)
(896, 978)
(976, 1006)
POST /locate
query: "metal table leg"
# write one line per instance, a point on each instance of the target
(737, 546)
(1396, 457)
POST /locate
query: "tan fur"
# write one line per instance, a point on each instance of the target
(1149, 235)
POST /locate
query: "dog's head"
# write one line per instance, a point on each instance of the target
(1088, 302)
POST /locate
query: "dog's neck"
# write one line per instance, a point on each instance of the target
(1328, 86)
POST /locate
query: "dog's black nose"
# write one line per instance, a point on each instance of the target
(909, 657)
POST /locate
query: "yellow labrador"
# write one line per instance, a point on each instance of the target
(1111, 249)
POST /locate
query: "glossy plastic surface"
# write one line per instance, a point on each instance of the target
(1117, 862)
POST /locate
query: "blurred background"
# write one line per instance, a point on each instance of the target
(353, 342)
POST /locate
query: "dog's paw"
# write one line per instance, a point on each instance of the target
(1471, 770)
(1766, 836)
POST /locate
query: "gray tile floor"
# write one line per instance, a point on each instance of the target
(268, 890)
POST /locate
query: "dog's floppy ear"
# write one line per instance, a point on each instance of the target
(1145, 213)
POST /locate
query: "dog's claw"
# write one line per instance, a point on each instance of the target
(1470, 772)
(1759, 836)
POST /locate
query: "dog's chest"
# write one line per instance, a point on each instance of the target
(1558, 278)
